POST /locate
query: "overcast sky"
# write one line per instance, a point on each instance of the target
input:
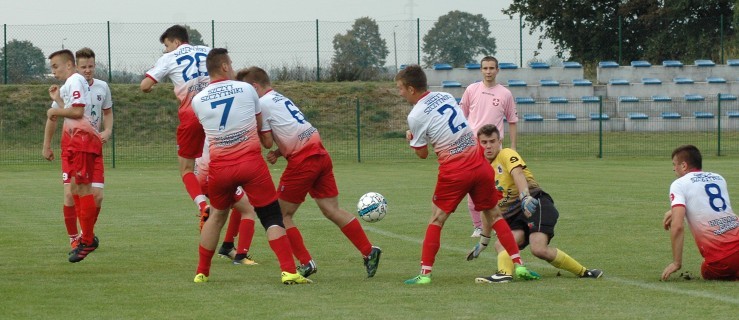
(18, 12)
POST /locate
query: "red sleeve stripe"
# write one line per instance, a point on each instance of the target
(679, 205)
(152, 78)
(417, 148)
(78, 105)
(265, 131)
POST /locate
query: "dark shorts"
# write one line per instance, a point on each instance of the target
(542, 221)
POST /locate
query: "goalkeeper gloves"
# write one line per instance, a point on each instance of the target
(529, 204)
(484, 241)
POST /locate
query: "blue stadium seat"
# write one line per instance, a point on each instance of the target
(472, 66)
(704, 63)
(532, 117)
(402, 66)
(703, 115)
(715, 80)
(539, 65)
(525, 100)
(549, 83)
(563, 116)
(590, 99)
(618, 82)
(607, 64)
(572, 64)
(582, 82)
(661, 98)
(671, 115)
(637, 116)
(726, 97)
(733, 62)
(651, 81)
(516, 83)
(683, 80)
(442, 66)
(628, 99)
(640, 64)
(558, 100)
(458, 100)
(507, 65)
(594, 116)
(450, 84)
(732, 114)
(694, 97)
(672, 63)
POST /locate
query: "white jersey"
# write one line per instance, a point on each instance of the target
(185, 67)
(101, 100)
(76, 94)
(227, 110)
(712, 221)
(295, 136)
(436, 119)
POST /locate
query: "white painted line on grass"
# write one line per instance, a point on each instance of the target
(665, 287)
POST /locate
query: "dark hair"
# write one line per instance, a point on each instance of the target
(175, 32)
(85, 53)
(490, 58)
(216, 57)
(66, 54)
(488, 130)
(690, 154)
(413, 76)
(254, 75)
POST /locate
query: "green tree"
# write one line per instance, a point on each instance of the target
(458, 38)
(650, 29)
(360, 53)
(26, 62)
(196, 39)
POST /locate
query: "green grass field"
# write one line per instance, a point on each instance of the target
(610, 209)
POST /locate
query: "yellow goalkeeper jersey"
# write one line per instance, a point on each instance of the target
(507, 160)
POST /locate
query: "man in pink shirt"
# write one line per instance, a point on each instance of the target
(488, 102)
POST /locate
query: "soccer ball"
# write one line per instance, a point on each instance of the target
(372, 207)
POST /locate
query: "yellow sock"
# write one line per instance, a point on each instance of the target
(505, 264)
(565, 262)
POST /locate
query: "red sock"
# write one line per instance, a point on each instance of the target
(246, 233)
(87, 218)
(281, 248)
(431, 244)
(233, 226)
(505, 236)
(193, 189)
(354, 232)
(206, 256)
(298, 247)
(70, 220)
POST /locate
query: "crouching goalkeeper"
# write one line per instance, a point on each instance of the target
(528, 210)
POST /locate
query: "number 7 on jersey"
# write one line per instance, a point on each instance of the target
(226, 110)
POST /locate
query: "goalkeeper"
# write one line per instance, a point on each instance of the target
(527, 208)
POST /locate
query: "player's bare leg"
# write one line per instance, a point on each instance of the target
(539, 242)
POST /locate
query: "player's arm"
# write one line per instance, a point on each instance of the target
(75, 112)
(147, 84)
(266, 139)
(464, 104)
(520, 180)
(48, 135)
(107, 124)
(512, 134)
(677, 235)
(422, 152)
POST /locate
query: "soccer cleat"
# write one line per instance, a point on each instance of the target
(526, 274)
(244, 259)
(294, 278)
(592, 273)
(476, 233)
(200, 278)
(227, 252)
(307, 269)
(82, 250)
(204, 216)
(419, 279)
(372, 261)
(496, 278)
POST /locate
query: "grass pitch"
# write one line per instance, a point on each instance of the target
(611, 213)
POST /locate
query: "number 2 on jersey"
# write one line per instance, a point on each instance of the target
(454, 128)
(190, 61)
(714, 193)
(226, 110)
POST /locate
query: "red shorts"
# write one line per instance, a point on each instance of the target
(253, 175)
(81, 166)
(98, 175)
(724, 269)
(190, 139)
(479, 182)
(203, 180)
(314, 175)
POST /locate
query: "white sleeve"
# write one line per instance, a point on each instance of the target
(677, 196)
(160, 69)
(418, 130)
(108, 103)
(80, 91)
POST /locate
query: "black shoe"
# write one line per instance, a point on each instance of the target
(496, 278)
(372, 261)
(592, 273)
(308, 269)
(227, 250)
(82, 250)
